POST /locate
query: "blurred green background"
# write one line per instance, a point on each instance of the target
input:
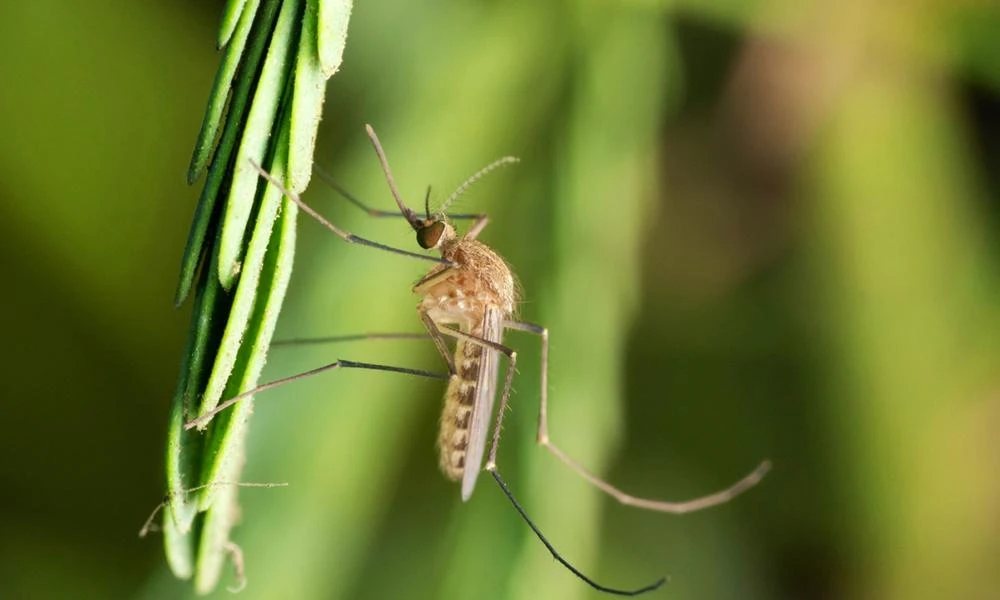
(755, 229)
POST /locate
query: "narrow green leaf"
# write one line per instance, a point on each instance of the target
(307, 103)
(250, 280)
(214, 538)
(333, 17)
(226, 450)
(183, 467)
(222, 451)
(219, 96)
(260, 123)
(246, 290)
(230, 15)
(179, 546)
(261, 101)
(182, 464)
(184, 448)
(234, 125)
(219, 521)
(203, 217)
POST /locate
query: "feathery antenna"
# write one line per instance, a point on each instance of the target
(500, 162)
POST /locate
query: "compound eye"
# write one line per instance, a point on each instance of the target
(429, 235)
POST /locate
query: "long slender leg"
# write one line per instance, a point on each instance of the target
(344, 235)
(204, 419)
(150, 525)
(714, 499)
(491, 466)
(379, 213)
(411, 216)
(435, 332)
(372, 212)
(359, 337)
(481, 222)
(436, 276)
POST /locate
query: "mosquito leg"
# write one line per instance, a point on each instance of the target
(436, 276)
(491, 466)
(379, 213)
(204, 419)
(404, 211)
(150, 525)
(481, 222)
(359, 337)
(436, 335)
(720, 497)
(344, 235)
(371, 212)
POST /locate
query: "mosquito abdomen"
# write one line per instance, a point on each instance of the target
(456, 418)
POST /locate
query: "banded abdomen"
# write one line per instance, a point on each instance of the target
(459, 402)
(468, 403)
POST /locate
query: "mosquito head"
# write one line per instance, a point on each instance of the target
(432, 232)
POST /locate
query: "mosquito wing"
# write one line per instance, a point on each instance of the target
(482, 408)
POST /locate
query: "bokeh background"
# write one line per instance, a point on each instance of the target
(755, 229)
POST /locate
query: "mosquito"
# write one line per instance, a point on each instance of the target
(470, 296)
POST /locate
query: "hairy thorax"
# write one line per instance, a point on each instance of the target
(479, 277)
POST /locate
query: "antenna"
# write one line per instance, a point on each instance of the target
(500, 162)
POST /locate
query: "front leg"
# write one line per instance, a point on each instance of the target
(436, 276)
(437, 337)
